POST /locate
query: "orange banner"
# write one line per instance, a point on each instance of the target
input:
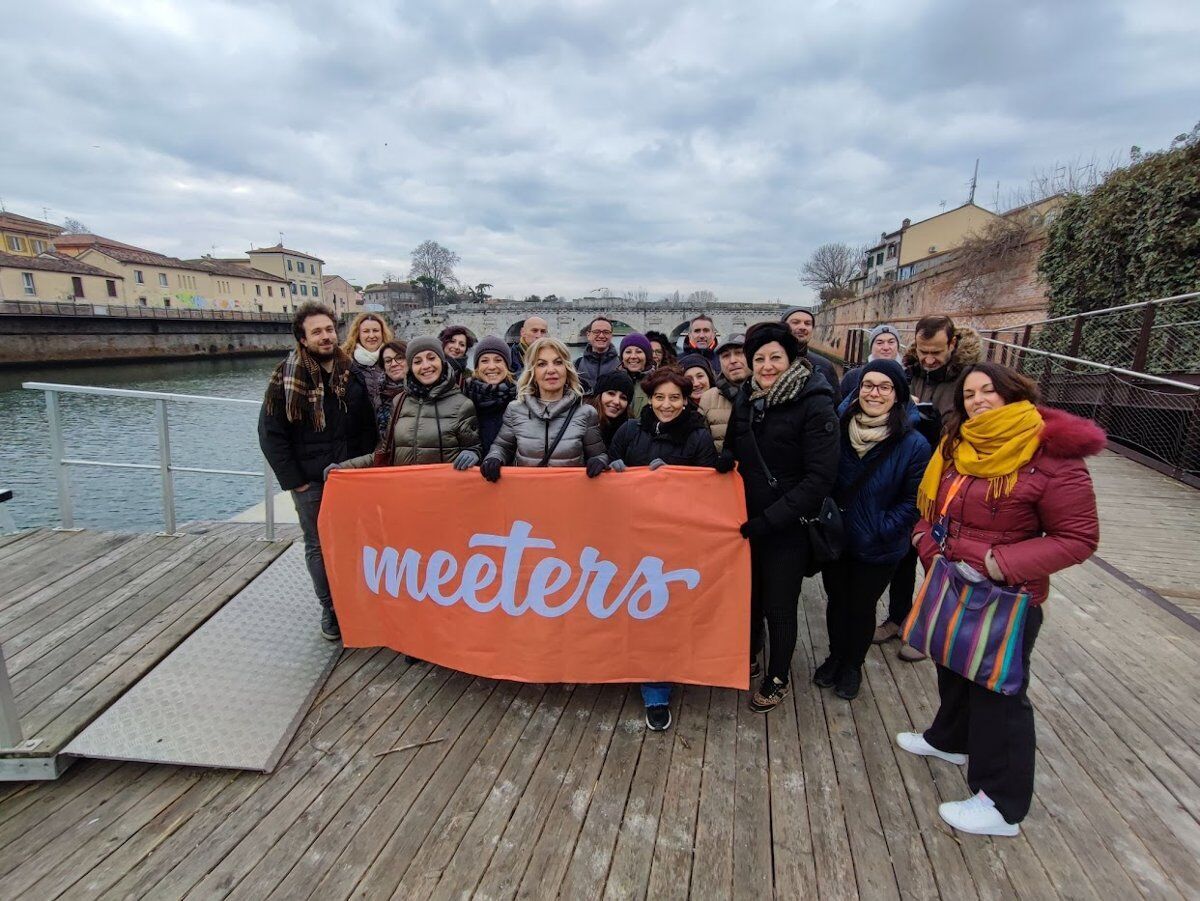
(546, 575)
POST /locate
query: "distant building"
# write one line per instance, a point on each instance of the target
(392, 296)
(239, 286)
(56, 277)
(301, 271)
(916, 246)
(22, 236)
(340, 294)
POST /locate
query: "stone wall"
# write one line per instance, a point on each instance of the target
(1007, 295)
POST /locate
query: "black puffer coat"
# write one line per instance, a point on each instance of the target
(685, 441)
(800, 442)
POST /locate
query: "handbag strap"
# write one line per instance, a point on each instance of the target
(562, 431)
(383, 456)
(771, 480)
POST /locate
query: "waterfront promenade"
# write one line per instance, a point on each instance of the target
(504, 790)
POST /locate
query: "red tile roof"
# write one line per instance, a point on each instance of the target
(52, 262)
(233, 269)
(21, 223)
(279, 248)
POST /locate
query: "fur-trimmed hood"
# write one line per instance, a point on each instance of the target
(1069, 437)
(968, 350)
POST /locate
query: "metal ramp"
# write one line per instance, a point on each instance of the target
(234, 692)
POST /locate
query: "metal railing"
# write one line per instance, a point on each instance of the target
(118, 311)
(165, 467)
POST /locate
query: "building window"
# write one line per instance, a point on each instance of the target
(258, 290)
(294, 288)
(142, 302)
(891, 251)
(139, 276)
(15, 244)
(289, 262)
(270, 291)
(314, 291)
(260, 308)
(304, 290)
(27, 278)
(166, 301)
(39, 246)
(879, 258)
(111, 286)
(162, 279)
(77, 285)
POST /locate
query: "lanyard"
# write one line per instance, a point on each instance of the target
(938, 532)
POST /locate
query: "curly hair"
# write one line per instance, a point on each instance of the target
(452, 331)
(352, 334)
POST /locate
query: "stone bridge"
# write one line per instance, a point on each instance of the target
(569, 322)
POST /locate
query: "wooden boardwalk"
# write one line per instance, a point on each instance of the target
(507, 790)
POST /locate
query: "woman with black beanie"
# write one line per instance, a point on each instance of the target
(612, 396)
(882, 460)
(783, 434)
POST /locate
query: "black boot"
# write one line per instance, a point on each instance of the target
(849, 681)
(329, 624)
(826, 674)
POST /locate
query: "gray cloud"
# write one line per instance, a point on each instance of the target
(565, 146)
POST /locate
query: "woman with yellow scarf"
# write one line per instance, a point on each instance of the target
(1007, 492)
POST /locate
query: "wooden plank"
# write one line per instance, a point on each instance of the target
(712, 866)
(752, 868)
(61, 551)
(72, 568)
(12, 537)
(38, 800)
(589, 865)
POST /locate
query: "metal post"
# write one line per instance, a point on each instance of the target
(269, 495)
(164, 466)
(57, 455)
(991, 351)
(1143, 343)
(10, 723)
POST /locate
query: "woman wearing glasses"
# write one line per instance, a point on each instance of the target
(882, 460)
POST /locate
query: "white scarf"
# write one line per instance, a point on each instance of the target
(867, 431)
(366, 357)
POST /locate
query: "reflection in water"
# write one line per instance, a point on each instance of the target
(122, 430)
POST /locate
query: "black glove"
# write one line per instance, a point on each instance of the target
(490, 468)
(724, 462)
(755, 528)
(595, 466)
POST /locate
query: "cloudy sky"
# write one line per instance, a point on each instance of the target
(566, 146)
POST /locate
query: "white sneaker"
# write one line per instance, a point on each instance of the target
(915, 743)
(977, 815)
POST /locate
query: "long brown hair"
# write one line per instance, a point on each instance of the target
(1009, 384)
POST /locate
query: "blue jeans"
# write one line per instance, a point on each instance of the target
(655, 694)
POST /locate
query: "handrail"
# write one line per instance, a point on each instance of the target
(61, 462)
(1104, 366)
(1129, 306)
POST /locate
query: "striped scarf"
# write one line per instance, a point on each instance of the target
(296, 386)
(785, 388)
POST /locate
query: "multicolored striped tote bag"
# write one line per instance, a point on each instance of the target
(974, 627)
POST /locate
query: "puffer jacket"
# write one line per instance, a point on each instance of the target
(937, 387)
(716, 406)
(685, 441)
(1048, 523)
(591, 365)
(435, 429)
(880, 516)
(799, 441)
(530, 426)
(828, 372)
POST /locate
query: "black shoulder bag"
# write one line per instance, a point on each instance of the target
(559, 437)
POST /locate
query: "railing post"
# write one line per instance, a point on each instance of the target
(10, 723)
(57, 454)
(1143, 342)
(991, 351)
(269, 496)
(1076, 341)
(164, 465)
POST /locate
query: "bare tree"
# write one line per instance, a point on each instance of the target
(830, 269)
(640, 295)
(701, 298)
(431, 260)
(75, 227)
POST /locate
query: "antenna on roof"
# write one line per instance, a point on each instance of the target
(281, 239)
(45, 212)
(974, 181)
(942, 204)
(2, 209)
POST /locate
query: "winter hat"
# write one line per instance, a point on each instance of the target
(731, 341)
(425, 342)
(765, 332)
(640, 341)
(790, 310)
(617, 380)
(883, 329)
(493, 345)
(688, 361)
(893, 371)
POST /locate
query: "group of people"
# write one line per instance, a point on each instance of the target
(927, 451)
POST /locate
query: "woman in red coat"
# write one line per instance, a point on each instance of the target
(1009, 486)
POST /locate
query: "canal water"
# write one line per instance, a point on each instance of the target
(213, 436)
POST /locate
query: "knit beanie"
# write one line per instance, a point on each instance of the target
(883, 329)
(493, 345)
(425, 342)
(687, 361)
(617, 380)
(765, 332)
(637, 339)
(790, 310)
(893, 371)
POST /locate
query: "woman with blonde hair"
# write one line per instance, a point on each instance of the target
(548, 424)
(364, 344)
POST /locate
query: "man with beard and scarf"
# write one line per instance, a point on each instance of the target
(717, 402)
(668, 431)
(801, 322)
(315, 412)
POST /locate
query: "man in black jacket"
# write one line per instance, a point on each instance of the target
(315, 412)
(600, 358)
(801, 322)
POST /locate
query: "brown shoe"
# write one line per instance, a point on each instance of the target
(769, 696)
(885, 631)
(909, 654)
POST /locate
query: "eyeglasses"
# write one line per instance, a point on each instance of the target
(601, 331)
(882, 390)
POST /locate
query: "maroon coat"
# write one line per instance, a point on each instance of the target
(1049, 521)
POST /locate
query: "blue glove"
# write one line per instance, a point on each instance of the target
(617, 466)
(724, 462)
(595, 466)
(656, 463)
(465, 460)
(490, 469)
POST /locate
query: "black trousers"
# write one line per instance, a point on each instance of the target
(904, 586)
(996, 731)
(776, 574)
(853, 589)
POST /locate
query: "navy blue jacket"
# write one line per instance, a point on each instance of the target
(881, 515)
